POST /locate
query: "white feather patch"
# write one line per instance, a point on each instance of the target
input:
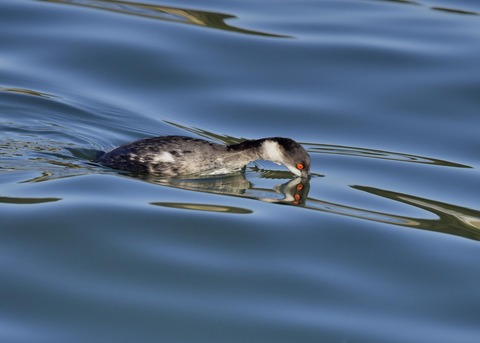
(163, 157)
(272, 151)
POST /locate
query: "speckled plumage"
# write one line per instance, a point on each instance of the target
(178, 155)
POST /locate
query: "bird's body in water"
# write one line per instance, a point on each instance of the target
(171, 156)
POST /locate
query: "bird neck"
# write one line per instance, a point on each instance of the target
(258, 149)
(245, 152)
(270, 150)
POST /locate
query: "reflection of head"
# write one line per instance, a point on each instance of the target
(295, 191)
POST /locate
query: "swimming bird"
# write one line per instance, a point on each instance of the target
(171, 156)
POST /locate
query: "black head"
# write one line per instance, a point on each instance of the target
(289, 153)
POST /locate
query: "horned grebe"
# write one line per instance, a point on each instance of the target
(178, 155)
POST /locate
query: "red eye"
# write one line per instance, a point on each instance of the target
(297, 197)
(300, 166)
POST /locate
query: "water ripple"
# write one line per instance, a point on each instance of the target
(379, 154)
(213, 20)
(437, 8)
(450, 219)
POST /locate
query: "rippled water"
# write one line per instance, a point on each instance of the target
(381, 245)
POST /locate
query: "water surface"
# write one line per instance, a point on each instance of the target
(380, 245)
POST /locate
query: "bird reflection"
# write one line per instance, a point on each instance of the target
(293, 192)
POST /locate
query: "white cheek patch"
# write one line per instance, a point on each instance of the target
(272, 151)
(163, 157)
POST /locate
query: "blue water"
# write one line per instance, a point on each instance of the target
(381, 245)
